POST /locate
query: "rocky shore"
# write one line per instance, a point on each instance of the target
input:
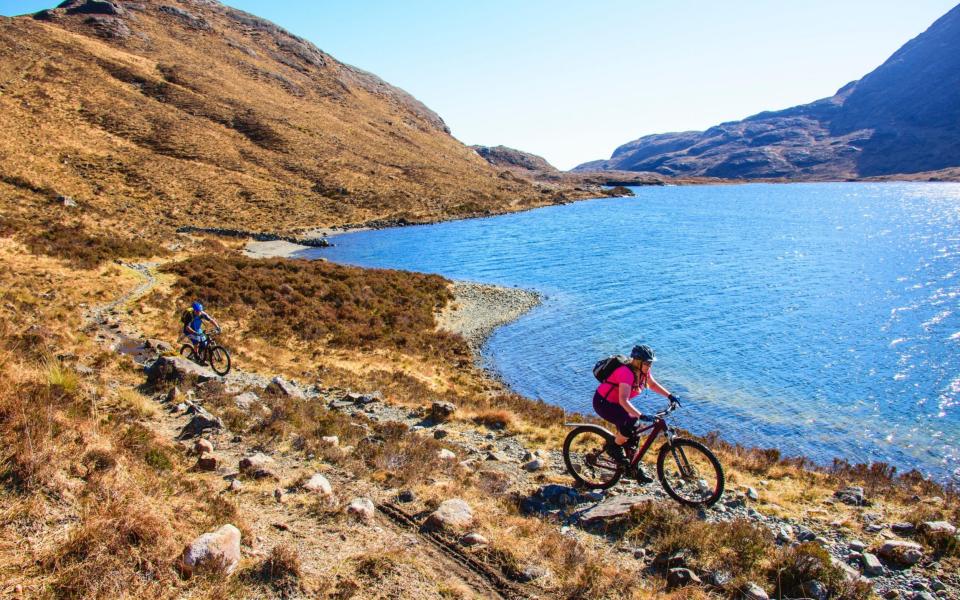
(480, 308)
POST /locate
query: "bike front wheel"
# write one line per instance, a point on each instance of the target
(585, 454)
(690, 473)
(219, 360)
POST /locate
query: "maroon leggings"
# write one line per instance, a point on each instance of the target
(613, 412)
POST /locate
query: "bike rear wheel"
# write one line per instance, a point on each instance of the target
(690, 473)
(584, 452)
(186, 351)
(219, 360)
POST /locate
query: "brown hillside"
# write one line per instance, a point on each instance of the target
(169, 113)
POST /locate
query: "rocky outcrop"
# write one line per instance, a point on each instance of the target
(904, 117)
(501, 156)
(177, 369)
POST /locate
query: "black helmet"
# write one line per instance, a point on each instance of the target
(644, 353)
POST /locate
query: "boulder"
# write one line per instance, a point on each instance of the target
(532, 573)
(202, 446)
(680, 577)
(937, 529)
(216, 552)
(852, 495)
(361, 508)
(442, 411)
(613, 508)
(902, 528)
(474, 539)
(318, 484)
(752, 494)
(871, 565)
(281, 387)
(159, 345)
(439, 434)
(752, 591)
(176, 368)
(901, 553)
(451, 514)
(207, 462)
(330, 440)
(363, 399)
(857, 546)
(535, 465)
(255, 462)
(202, 421)
(246, 400)
(95, 7)
(444, 454)
(406, 496)
(235, 485)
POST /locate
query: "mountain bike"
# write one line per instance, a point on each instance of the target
(211, 353)
(688, 471)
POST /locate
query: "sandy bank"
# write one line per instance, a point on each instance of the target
(478, 309)
(275, 249)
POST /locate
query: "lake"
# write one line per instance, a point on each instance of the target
(821, 319)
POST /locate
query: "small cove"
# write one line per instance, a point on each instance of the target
(820, 319)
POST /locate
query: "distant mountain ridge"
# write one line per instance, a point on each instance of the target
(902, 118)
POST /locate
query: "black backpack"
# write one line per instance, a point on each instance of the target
(185, 318)
(606, 366)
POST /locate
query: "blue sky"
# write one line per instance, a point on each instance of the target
(572, 80)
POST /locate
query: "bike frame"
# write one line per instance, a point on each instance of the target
(656, 428)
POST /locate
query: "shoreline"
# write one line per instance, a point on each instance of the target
(478, 309)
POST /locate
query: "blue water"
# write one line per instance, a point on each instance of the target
(820, 319)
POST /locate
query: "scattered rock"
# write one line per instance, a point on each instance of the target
(246, 400)
(281, 387)
(174, 395)
(361, 508)
(255, 462)
(439, 434)
(937, 585)
(176, 368)
(752, 494)
(235, 485)
(680, 577)
(442, 411)
(852, 495)
(202, 421)
(924, 596)
(187, 18)
(318, 484)
(816, 590)
(207, 462)
(330, 440)
(804, 534)
(453, 513)
(278, 495)
(532, 573)
(719, 578)
(202, 446)
(902, 528)
(474, 539)
(871, 565)
(406, 496)
(444, 454)
(857, 546)
(612, 508)
(218, 552)
(159, 345)
(363, 399)
(937, 529)
(901, 553)
(496, 455)
(752, 591)
(534, 465)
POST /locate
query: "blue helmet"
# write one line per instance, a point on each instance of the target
(197, 307)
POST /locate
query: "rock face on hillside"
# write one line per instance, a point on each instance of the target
(904, 117)
(164, 113)
(502, 156)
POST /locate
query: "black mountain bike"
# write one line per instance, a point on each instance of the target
(687, 470)
(211, 353)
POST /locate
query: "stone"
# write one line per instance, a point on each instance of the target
(495, 455)
(816, 590)
(202, 421)
(262, 473)
(330, 440)
(179, 369)
(207, 462)
(892, 594)
(442, 411)
(680, 577)
(98, 7)
(937, 529)
(361, 508)
(752, 494)
(281, 387)
(901, 553)
(318, 484)
(474, 539)
(532, 573)
(453, 513)
(174, 395)
(613, 508)
(202, 446)
(363, 399)
(444, 454)
(534, 465)
(159, 345)
(439, 434)
(804, 534)
(871, 565)
(902, 528)
(719, 578)
(181, 408)
(278, 495)
(924, 595)
(857, 546)
(937, 585)
(245, 401)
(852, 495)
(235, 485)
(255, 462)
(406, 496)
(752, 591)
(216, 552)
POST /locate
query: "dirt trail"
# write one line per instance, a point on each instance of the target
(322, 539)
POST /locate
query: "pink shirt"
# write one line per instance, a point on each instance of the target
(622, 374)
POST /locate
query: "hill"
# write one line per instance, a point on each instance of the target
(902, 118)
(163, 113)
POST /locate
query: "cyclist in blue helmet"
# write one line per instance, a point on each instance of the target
(193, 327)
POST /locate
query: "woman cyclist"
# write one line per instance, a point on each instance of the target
(612, 400)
